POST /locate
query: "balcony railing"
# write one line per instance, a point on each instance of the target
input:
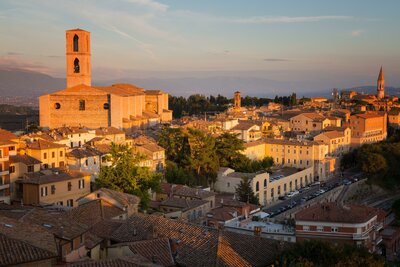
(378, 226)
(378, 240)
(364, 236)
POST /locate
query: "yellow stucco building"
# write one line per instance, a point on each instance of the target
(123, 106)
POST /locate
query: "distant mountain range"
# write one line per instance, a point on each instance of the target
(14, 83)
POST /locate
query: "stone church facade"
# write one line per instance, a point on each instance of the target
(123, 106)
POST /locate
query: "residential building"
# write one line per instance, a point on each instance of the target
(349, 224)
(294, 153)
(367, 128)
(85, 160)
(268, 187)
(111, 133)
(191, 210)
(54, 187)
(309, 122)
(155, 154)
(51, 155)
(394, 118)
(127, 203)
(247, 131)
(338, 141)
(20, 165)
(8, 148)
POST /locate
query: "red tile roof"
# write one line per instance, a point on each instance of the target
(43, 144)
(156, 250)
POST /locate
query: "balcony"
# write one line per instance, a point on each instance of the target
(378, 240)
(364, 236)
(4, 186)
(378, 226)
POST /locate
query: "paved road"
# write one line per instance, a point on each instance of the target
(284, 205)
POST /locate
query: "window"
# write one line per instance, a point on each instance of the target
(45, 166)
(53, 154)
(257, 186)
(272, 192)
(86, 163)
(61, 164)
(57, 105)
(31, 168)
(76, 43)
(11, 148)
(43, 191)
(320, 228)
(61, 153)
(81, 104)
(45, 155)
(81, 183)
(53, 189)
(228, 184)
(11, 169)
(306, 228)
(334, 229)
(70, 203)
(76, 65)
(69, 186)
(265, 183)
(106, 106)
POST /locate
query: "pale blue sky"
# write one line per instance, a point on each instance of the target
(284, 40)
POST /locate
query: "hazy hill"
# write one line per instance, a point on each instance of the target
(23, 83)
(15, 82)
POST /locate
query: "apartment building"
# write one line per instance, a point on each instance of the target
(268, 187)
(309, 122)
(247, 131)
(294, 153)
(52, 155)
(8, 147)
(20, 165)
(54, 187)
(338, 141)
(367, 128)
(350, 224)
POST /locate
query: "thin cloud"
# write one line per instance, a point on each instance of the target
(286, 19)
(14, 54)
(275, 59)
(150, 4)
(357, 33)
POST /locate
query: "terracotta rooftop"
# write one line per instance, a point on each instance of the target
(200, 245)
(156, 250)
(223, 214)
(108, 131)
(80, 153)
(368, 115)
(6, 135)
(314, 116)
(332, 212)
(131, 261)
(16, 252)
(121, 89)
(333, 134)
(123, 198)
(244, 125)
(56, 176)
(186, 191)
(42, 144)
(183, 203)
(25, 159)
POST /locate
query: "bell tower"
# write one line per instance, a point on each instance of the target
(78, 57)
(381, 85)
(236, 101)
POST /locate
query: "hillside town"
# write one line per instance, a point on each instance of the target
(111, 178)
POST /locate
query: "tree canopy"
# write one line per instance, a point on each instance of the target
(125, 175)
(198, 155)
(318, 253)
(245, 193)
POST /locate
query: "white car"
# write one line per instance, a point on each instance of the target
(293, 193)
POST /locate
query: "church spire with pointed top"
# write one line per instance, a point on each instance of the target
(381, 85)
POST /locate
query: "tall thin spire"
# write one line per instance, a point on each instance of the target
(381, 76)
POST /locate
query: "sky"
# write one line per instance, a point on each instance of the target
(336, 43)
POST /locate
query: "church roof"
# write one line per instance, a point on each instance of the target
(80, 90)
(75, 30)
(381, 76)
(122, 89)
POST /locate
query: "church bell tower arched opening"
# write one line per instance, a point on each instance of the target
(78, 57)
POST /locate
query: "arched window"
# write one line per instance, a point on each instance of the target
(76, 39)
(257, 186)
(265, 183)
(76, 65)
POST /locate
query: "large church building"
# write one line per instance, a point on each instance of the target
(123, 106)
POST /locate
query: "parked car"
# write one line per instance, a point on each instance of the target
(293, 193)
(316, 183)
(346, 182)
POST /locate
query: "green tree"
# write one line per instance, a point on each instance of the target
(228, 148)
(245, 193)
(373, 163)
(203, 157)
(125, 175)
(178, 175)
